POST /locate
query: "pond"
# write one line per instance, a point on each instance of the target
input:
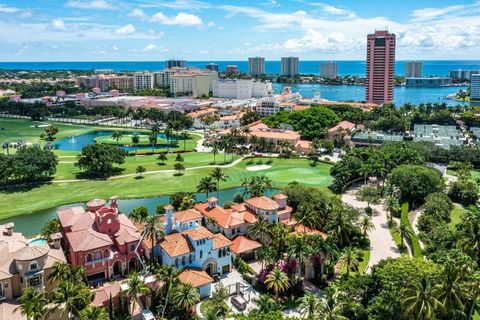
(31, 224)
(76, 143)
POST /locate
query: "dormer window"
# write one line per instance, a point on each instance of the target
(109, 221)
(33, 266)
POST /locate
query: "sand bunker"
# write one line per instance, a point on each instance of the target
(258, 167)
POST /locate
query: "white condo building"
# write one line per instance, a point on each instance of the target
(196, 84)
(289, 66)
(475, 87)
(413, 69)
(256, 65)
(329, 70)
(242, 89)
(143, 80)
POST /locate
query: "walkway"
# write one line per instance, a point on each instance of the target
(382, 245)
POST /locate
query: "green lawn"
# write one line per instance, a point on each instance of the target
(456, 215)
(475, 174)
(27, 200)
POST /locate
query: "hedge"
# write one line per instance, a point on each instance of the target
(415, 245)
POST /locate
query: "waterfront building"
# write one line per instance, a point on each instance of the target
(269, 106)
(100, 239)
(380, 67)
(172, 63)
(289, 66)
(25, 264)
(256, 66)
(413, 69)
(461, 74)
(212, 67)
(241, 89)
(475, 87)
(340, 131)
(105, 82)
(329, 70)
(143, 80)
(428, 82)
(196, 84)
(231, 68)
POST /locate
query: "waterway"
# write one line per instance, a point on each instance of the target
(31, 224)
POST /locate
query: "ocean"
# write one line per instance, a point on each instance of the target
(430, 67)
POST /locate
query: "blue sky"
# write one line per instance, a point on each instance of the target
(108, 30)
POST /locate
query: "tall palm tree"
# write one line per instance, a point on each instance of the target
(298, 248)
(206, 185)
(33, 304)
(218, 175)
(62, 271)
(117, 136)
(254, 142)
(94, 313)
(365, 224)
(169, 277)
(136, 287)
(451, 288)
(473, 292)
(153, 138)
(212, 313)
(184, 136)
(277, 281)
(329, 310)
(265, 303)
(153, 230)
(405, 232)
(72, 297)
(349, 259)
(308, 216)
(260, 230)
(214, 146)
(340, 227)
(168, 135)
(469, 234)
(186, 296)
(309, 306)
(419, 300)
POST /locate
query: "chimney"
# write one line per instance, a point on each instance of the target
(169, 213)
(212, 202)
(9, 228)
(281, 200)
(113, 202)
(57, 240)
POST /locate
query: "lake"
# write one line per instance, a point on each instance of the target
(31, 224)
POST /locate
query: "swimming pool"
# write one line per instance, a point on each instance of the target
(37, 242)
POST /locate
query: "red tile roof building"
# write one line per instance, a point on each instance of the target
(101, 239)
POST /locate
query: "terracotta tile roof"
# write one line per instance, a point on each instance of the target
(301, 229)
(280, 196)
(225, 218)
(342, 125)
(187, 215)
(242, 244)
(176, 244)
(284, 211)
(198, 233)
(196, 278)
(102, 294)
(69, 216)
(304, 144)
(30, 253)
(263, 202)
(88, 239)
(220, 241)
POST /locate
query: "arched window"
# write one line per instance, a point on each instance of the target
(89, 257)
(98, 255)
(106, 254)
(176, 262)
(183, 260)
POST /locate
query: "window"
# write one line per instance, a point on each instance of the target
(33, 265)
(176, 262)
(132, 247)
(109, 221)
(105, 254)
(98, 255)
(189, 258)
(33, 282)
(201, 254)
(89, 257)
(183, 260)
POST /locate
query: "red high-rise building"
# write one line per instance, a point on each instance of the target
(380, 67)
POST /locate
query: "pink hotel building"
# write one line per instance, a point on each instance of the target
(380, 67)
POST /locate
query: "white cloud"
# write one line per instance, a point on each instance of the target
(114, 48)
(58, 24)
(125, 30)
(182, 19)
(5, 9)
(433, 13)
(178, 4)
(153, 47)
(92, 4)
(138, 13)
(211, 24)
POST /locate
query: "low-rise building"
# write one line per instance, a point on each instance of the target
(26, 264)
(428, 82)
(340, 130)
(242, 89)
(100, 239)
(106, 82)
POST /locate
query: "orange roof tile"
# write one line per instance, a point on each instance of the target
(195, 277)
(225, 218)
(342, 125)
(187, 215)
(263, 203)
(220, 241)
(280, 196)
(199, 233)
(242, 244)
(176, 244)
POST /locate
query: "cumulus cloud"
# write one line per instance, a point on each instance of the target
(153, 47)
(58, 24)
(324, 42)
(182, 19)
(93, 4)
(138, 13)
(179, 4)
(5, 9)
(125, 30)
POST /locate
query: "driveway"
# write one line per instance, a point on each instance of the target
(7, 311)
(382, 245)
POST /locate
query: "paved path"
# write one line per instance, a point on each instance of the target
(382, 245)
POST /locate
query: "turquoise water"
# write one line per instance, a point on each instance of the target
(430, 67)
(31, 224)
(37, 242)
(78, 142)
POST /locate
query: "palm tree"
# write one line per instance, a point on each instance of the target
(299, 249)
(309, 305)
(153, 230)
(206, 185)
(94, 313)
(329, 310)
(117, 136)
(277, 281)
(152, 137)
(405, 232)
(72, 297)
(62, 271)
(214, 147)
(254, 141)
(168, 136)
(341, 227)
(366, 224)
(473, 293)
(169, 276)
(308, 216)
(419, 300)
(136, 287)
(265, 303)
(184, 137)
(33, 304)
(260, 230)
(218, 175)
(212, 313)
(349, 259)
(186, 296)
